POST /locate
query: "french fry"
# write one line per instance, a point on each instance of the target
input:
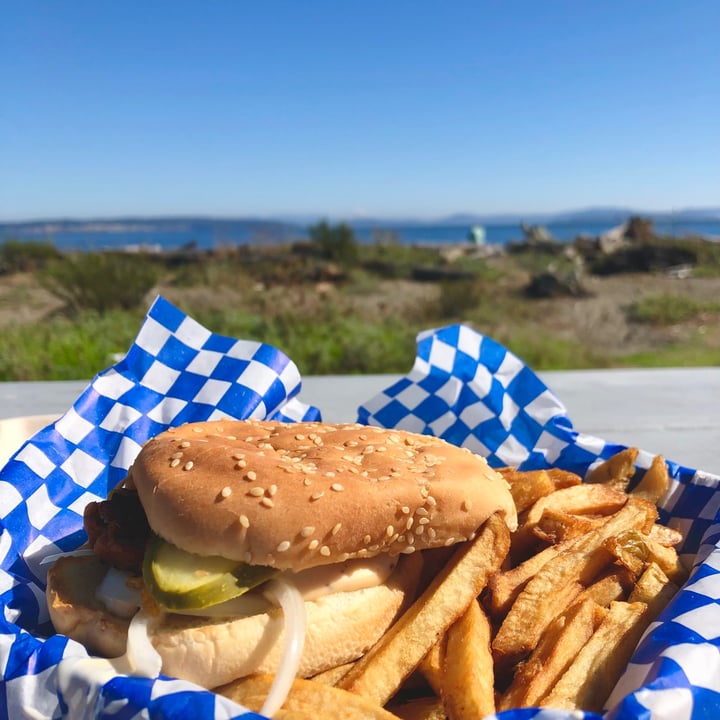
(468, 676)
(378, 675)
(333, 675)
(616, 471)
(307, 699)
(667, 536)
(636, 550)
(561, 642)
(596, 669)
(655, 482)
(563, 478)
(424, 708)
(431, 666)
(653, 588)
(593, 500)
(505, 586)
(527, 487)
(615, 584)
(555, 526)
(544, 596)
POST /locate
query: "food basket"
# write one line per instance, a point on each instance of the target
(463, 387)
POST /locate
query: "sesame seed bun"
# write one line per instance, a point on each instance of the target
(298, 495)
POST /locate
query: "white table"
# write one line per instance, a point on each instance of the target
(669, 411)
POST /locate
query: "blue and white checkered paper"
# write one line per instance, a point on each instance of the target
(463, 387)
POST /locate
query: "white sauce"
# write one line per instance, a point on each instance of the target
(342, 577)
(312, 584)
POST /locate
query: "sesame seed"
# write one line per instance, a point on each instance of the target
(467, 505)
(184, 444)
(424, 520)
(422, 511)
(408, 550)
(313, 544)
(420, 529)
(405, 510)
(450, 541)
(188, 465)
(299, 436)
(240, 464)
(431, 501)
(267, 502)
(317, 495)
(284, 546)
(337, 487)
(409, 523)
(251, 475)
(199, 430)
(176, 455)
(307, 531)
(329, 473)
(307, 481)
(325, 551)
(389, 530)
(243, 519)
(175, 462)
(226, 491)
(272, 490)
(257, 491)
(366, 540)
(336, 529)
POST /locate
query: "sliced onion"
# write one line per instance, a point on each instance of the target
(142, 657)
(286, 595)
(119, 598)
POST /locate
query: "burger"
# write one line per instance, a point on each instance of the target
(236, 547)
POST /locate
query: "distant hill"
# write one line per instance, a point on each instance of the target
(283, 228)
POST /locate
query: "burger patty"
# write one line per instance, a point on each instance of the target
(118, 530)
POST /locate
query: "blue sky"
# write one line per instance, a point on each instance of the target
(377, 107)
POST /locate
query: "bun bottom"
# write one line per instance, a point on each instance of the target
(341, 627)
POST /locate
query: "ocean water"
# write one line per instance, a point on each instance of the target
(210, 236)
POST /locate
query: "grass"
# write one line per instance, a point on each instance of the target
(66, 349)
(674, 355)
(664, 309)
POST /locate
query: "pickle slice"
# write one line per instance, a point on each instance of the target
(180, 580)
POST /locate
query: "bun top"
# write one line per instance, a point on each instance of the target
(297, 495)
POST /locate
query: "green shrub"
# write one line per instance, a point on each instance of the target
(25, 255)
(101, 281)
(336, 243)
(459, 297)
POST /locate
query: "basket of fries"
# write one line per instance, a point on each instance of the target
(603, 602)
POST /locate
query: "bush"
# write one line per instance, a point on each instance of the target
(25, 255)
(335, 243)
(101, 281)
